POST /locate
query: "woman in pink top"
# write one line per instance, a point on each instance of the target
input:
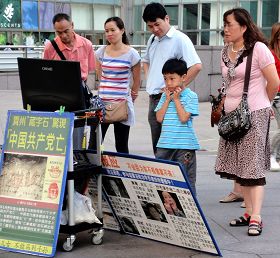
(274, 46)
(247, 159)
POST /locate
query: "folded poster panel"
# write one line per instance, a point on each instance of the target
(152, 199)
(34, 163)
(109, 218)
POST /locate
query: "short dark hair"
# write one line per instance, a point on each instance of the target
(153, 11)
(174, 65)
(120, 24)
(61, 16)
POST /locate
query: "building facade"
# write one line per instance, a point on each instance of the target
(30, 21)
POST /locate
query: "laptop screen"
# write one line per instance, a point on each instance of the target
(48, 84)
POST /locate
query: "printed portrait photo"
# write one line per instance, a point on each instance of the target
(171, 203)
(114, 186)
(153, 211)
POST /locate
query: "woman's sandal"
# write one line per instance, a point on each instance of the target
(241, 221)
(255, 228)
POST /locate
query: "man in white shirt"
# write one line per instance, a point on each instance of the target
(165, 43)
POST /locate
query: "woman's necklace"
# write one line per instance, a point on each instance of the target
(235, 51)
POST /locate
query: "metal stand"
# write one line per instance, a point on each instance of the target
(94, 169)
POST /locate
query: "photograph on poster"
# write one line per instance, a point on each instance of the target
(153, 211)
(128, 225)
(23, 176)
(171, 203)
(114, 187)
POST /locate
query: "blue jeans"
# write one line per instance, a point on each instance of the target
(187, 158)
(154, 124)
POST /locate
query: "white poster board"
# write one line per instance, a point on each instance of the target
(152, 199)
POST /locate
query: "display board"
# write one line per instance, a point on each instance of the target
(152, 199)
(109, 219)
(34, 162)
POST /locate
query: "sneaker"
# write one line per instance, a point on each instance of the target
(243, 205)
(232, 197)
(274, 165)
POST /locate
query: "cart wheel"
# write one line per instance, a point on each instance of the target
(67, 247)
(96, 240)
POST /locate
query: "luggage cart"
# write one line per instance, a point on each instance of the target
(90, 167)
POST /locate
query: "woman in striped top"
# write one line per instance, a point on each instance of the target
(118, 68)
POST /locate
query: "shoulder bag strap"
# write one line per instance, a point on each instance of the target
(248, 73)
(55, 46)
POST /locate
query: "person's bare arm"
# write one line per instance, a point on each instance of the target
(146, 69)
(192, 73)
(136, 74)
(182, 114)
(271, 76)
(98, 69)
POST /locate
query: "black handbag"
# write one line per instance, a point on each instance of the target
(234, 125)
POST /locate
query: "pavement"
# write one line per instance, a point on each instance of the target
(233, 242)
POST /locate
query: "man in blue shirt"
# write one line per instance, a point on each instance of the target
(165, 43)
(175, 111)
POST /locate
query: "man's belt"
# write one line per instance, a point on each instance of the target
(156, 96)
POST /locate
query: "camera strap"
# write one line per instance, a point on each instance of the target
(58, 51)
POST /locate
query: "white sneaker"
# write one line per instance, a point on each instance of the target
(274, 165)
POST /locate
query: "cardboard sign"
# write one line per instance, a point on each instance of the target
(152, 199)
(34, 164)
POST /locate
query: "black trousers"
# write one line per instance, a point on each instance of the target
(121, 132)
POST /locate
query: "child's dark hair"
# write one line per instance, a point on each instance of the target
(174, 65)
(153, 11)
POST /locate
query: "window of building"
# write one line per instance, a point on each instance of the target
(172, 11)
(205, 17)
(225, 6)
(82, 16)
(16, 38)
(63, 8)
(137, 17)
(165, 2)
(98, 39)
(30, 38)
(193, 37)
(204, 38)
(205, 23)
(252, 8)
(30, 15)
(148, 1)
(136, 40)
(3, 38)
(46, 13)
(101, 14)
(190, 16)
(270, 11)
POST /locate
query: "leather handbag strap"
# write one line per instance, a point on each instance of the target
(58, 51)
(248, 72)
